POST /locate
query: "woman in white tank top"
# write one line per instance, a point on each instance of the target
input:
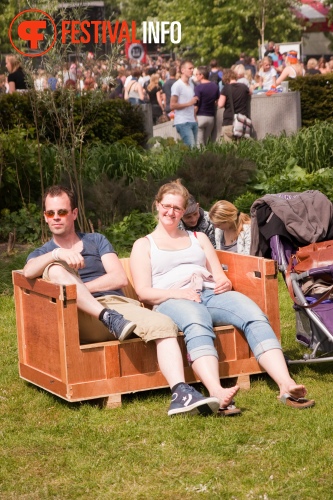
(180, 275)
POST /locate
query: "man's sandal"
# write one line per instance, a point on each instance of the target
(229, 411)
(299, 404)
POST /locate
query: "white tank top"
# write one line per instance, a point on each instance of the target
(172, 266)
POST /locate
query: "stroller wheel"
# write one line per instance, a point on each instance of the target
(306, 357)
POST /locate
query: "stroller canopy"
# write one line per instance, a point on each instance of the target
(300, 218)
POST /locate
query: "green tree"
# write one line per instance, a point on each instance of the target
(8, 10)
(220, 28)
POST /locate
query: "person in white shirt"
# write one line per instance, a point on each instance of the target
(183, 102)
(267, 74)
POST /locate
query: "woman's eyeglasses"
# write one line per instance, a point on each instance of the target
(169, 207)
(61, 213)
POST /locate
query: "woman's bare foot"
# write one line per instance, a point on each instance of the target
(226, 395)
(295, 390)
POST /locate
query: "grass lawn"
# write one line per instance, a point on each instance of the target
(53, 449)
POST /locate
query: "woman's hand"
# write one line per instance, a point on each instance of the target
(223, 284)
(185, 293)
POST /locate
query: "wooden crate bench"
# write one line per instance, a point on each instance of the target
(51, 357)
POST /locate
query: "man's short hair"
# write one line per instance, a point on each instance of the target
(173, 71)
(58, 190)
(204, 71)
(185, 61)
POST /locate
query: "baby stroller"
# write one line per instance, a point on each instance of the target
(288, 227)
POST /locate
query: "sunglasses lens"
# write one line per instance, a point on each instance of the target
(62, 213)
(51, 213)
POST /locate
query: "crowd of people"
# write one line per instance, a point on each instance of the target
(176, 89)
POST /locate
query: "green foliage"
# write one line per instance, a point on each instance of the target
(133, 226)
(16, 110)
(16, 260)
(296, 179)
(211, 176)
(129, 163)
(116, 120)
(310, 148)
(117, 161)
(316, 97)
(219, 28)
(166, 156)
(245, 201)
(104, 120)
(9, 9)
(19, 172)
(26, 223)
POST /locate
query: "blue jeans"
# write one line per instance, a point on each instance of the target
(196, 320)
(188, 132)
(135, 100)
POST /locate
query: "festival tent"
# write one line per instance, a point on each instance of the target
(313, 14)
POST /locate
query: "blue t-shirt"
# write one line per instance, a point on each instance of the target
(95, 245)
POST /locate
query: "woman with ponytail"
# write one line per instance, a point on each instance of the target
(232, 228)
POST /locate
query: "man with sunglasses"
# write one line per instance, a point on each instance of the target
(89, 261)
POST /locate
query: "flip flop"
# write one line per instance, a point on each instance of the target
(300, 403)
(229, 410)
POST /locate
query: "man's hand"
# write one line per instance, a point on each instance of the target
(72, 258)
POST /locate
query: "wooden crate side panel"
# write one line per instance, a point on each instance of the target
(256, 277)
(272, 308)
(137, 357)
(19, 323)
(44, 380)
(155, 380)
(40, 333)
(81, 365)
(245, 274)
(43, 287)
(225, 344)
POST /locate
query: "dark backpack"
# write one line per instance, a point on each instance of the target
(214, 77)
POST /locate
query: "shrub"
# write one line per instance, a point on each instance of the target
(116, 120)
(133, 226)
(16, 110)
(107, 120)
(316, 97)
(245, 201)
(211, 176)
(26, 223)
(19, 171)
(296, 179)
(310, 148)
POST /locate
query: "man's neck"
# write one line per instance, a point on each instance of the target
(185, 79)
(66, 241)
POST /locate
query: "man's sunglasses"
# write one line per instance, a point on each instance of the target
(51, 213)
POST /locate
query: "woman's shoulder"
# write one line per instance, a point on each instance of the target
(246, 228)
(142, 243)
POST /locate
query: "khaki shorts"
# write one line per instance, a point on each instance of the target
(150, 325)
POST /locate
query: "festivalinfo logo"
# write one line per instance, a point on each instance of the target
(36, 33)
